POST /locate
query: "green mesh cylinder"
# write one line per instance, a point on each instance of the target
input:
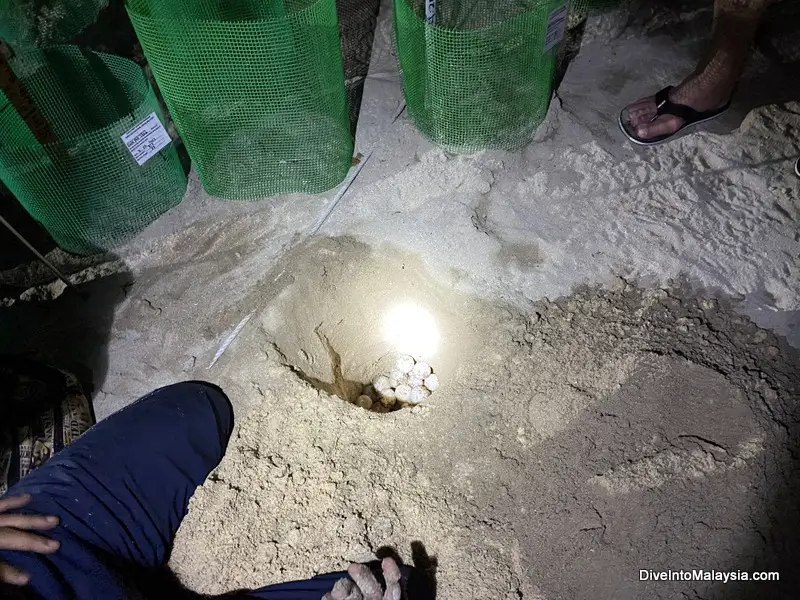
(85, 187)
(479, 77)
(255, 88)
(45, 22)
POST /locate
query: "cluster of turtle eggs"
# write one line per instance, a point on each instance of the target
(409, 382)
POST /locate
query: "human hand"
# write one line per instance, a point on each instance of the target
(364, 586)
(15, 535)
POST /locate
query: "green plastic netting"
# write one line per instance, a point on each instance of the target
(45, 22)
(85, 187)
(480, 76)
(255, 88)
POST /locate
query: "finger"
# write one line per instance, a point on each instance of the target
(662, 126)
(13, 502)
(28, 521)
(355, 594)
(393, 592)
(342, 589)
(366, 582)
(9, 574)
(391, 573)
(17, 539)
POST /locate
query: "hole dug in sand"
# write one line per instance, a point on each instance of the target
(352, 319)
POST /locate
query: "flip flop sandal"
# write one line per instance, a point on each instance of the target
(664, 106)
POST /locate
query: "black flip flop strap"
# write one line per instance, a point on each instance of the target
(666, 107)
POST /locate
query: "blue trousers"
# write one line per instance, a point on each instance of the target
(121, 491)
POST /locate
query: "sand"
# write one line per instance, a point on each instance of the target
(603, 433)
(619, 343)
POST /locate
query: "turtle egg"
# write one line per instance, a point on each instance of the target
(432, 382)
(415, 382)
(381, 383)
(403, 392)
(398, 376)
(421, 370)
(364, 402)
(405, 363)
(418, 394)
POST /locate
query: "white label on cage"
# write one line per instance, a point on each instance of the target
(146, 138)
(556, 26)
(430, 11)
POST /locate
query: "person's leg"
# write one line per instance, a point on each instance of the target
(711, 84)
(316, 587)
(309, 589)
(122, 489)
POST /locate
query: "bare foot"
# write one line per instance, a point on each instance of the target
(698, 91)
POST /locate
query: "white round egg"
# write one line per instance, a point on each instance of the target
(415, 382)
(405, 363)
(403, 392)
(418, 394)
(421, 370)
(432, 382)
(398, 377)
(381, 383)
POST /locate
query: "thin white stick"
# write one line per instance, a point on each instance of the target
(342, 191)
(399, 112)
(229, 340)
(38, 254)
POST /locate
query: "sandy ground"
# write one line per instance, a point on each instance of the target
(606, 432)
(610, 401)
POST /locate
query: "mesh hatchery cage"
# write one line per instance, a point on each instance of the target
(74, 127)
(255, 88)
(478, 74)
